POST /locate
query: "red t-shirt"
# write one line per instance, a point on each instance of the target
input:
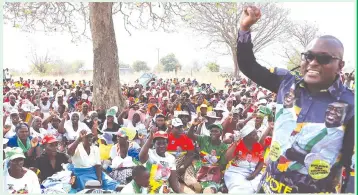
(184, 142)
(242, 153)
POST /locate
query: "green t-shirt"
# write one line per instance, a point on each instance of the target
(211, 154)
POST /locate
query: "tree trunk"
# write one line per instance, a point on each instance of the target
(236, 64)
(106, 86)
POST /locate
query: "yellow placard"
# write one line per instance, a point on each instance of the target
(319, 169)
(275, 151)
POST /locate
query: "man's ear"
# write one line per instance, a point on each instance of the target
(341, 66)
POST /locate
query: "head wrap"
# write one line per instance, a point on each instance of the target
(247, 129)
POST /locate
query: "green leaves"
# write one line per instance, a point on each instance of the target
(213, 67)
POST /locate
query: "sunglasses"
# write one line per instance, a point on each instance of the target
(322, 59)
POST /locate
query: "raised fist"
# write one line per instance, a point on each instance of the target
(249, 17)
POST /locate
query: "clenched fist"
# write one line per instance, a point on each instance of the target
(249, 17)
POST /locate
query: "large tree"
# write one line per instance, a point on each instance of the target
(220, 23)
(75, 18)
(213, 67)
(139, 66)
(170, 63)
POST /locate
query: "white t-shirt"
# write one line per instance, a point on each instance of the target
(45, 108)
(55, 105)
(8, 107)
(164, 164)
(11, 132)
(28, 184)
(118, 161)
(71, 134)
(82, 160)
(113, 153)
(128, 189)
(34, 133)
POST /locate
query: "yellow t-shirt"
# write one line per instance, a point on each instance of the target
(104, 150)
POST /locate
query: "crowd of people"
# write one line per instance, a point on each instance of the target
(263, 134)
(182, 132)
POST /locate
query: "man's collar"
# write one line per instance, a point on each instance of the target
(335, 89)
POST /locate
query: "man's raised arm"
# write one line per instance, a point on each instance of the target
(245, 55)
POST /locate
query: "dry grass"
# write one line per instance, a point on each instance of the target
(206, 77)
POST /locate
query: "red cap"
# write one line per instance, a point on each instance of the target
(160, 134)
(48, 139)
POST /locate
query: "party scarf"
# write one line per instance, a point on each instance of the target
(21, 145)
(137, 189)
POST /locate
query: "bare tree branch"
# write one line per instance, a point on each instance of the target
(74, 17)
(301, 34)
(219, 22)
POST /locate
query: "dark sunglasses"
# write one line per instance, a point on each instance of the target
(322, 59)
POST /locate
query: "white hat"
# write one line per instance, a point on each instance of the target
(84, 96)
(26, 107)
(35, 108)
(236, 110)
(247, 129)
(212, 114)
(240, 106)
(176, 122)
(263, 101)
(184, 113)
(219, 107)
(60, 94)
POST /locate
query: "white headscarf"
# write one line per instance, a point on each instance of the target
(71, 134)
(247, 129)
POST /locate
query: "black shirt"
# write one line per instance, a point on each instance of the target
(43, 163)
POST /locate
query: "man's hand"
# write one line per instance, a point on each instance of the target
(249, 17)
(250, 177)
(83, 133)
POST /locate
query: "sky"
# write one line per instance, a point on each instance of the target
(142, 45)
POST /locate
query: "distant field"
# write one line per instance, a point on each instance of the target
(206, 77)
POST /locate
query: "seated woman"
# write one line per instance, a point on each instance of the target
(17, 179)
(130, 134)
(30, 146)
(36, 129)
(71, 128)
(139, 183)
(87, 163)
(205, 175)
(160, 163)
(110, 125)
(50, 162)
(123, 163)
(242, 176)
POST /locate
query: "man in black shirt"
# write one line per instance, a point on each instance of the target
(50, 162)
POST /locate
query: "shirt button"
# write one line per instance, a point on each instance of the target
(310, 98)
(300, 116)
